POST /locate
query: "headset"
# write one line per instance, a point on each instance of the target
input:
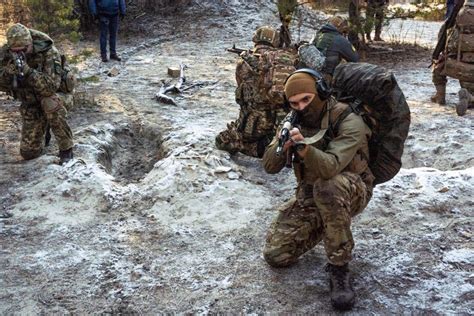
(322, 87)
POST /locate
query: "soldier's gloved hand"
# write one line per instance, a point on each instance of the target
(10, 69)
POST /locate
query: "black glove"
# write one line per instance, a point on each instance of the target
(122, 16)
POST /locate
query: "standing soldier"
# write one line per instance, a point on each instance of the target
(375, 13)
(31, 71)
(260, 76)
(334, 182)
(456, 58)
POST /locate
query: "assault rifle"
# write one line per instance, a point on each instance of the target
(19, 60)
(236, 50)
(292, 120)
(448, 23)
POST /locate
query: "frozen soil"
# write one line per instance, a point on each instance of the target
(151, 218)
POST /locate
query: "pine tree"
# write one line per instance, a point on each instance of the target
(54, 17)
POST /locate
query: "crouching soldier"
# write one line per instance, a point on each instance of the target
(31, 70)
(260, 76)
(330, 160)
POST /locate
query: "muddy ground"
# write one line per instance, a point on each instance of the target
(151, 218)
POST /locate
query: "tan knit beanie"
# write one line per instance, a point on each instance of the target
(300, 83)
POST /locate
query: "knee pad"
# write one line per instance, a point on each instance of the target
(51, 104)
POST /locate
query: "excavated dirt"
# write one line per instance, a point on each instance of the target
(151, 218)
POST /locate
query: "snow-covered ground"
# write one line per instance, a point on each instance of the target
(150, 217)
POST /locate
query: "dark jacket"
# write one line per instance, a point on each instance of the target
(335, 47)
(107, 7)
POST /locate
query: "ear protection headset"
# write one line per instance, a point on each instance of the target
(323, 89)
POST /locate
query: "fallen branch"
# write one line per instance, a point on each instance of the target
(161, 95)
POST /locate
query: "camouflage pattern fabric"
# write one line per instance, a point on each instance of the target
(334, 184)
(323, 213)
(457, 36)
(260, 77)
(41, 103)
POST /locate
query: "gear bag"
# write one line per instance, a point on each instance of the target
(373, 93)
(275, 66)
(68, 79)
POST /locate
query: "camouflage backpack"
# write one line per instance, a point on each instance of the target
(373, 93)
(275, 66)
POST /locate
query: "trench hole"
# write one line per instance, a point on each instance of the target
(132, 153)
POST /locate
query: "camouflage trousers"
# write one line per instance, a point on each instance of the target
(51, 113)
(323, 214)
(249, 134)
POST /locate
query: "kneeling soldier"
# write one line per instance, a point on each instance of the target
(330, 148)
(31, 71)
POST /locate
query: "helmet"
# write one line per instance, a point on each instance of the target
(266, 35)
(339, 23)
(19, 35)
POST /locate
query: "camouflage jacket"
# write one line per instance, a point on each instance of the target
(345, 150)
(44, 78)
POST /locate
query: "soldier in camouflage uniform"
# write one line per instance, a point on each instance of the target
(255, 127)
(36, 86)
(334, 184)
(462, 34)
(374, 15)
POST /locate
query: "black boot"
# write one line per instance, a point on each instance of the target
(65, 156)
(342, 294)
(115, 57)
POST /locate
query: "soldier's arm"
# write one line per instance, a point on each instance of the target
(47, 81)
(353, 134)
(346, 49)
(271, 162)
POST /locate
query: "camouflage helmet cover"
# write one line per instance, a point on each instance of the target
(339, 23)
(18, 35)
(266, 35)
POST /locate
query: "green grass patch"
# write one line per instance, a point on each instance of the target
(89, 79)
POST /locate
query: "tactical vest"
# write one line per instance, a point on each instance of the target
(323, 41)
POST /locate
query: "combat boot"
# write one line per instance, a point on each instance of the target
(440, 96)
(465, 99)
(65, 156)
(367, 36)
(342, 293)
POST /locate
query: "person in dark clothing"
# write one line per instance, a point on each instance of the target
(331, 42)
(108, 12)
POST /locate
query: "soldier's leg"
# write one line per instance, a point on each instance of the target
(33, 130)
(439, 80)
(56, 113)
(466, 98)
(369, 21)
(338, 199)
(295, 230)
(379, 15)
(104, 30)
(230, 140)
